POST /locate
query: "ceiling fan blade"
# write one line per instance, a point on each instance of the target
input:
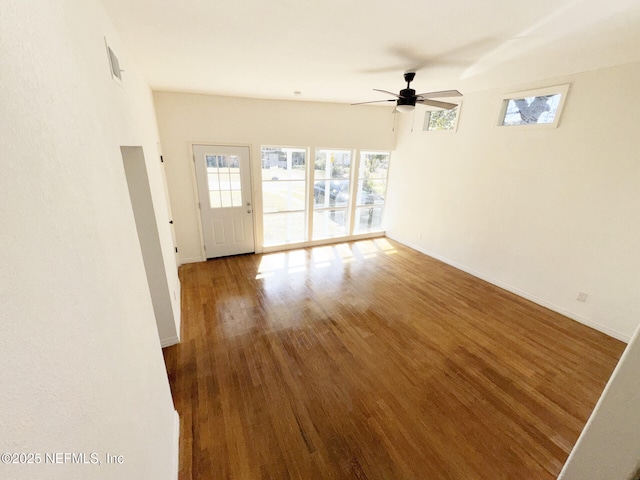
(435, 103)
(374, 101)
(385, 91)
(441, 94)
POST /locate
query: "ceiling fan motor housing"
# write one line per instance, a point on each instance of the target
(407, 97)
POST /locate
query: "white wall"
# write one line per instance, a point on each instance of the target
(82, 370)
(186, 119)
(608, 446)
(546, 213)
(135, 167)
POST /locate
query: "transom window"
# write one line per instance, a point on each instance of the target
(441, 120)
(536, 107)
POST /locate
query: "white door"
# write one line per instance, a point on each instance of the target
(226, 207)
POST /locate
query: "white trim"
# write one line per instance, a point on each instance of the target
(167, 342)
(176, 446)
(196, 199)
(191, 260)
(590, 323)
(311, 189)
(324, 241)
(562, 90)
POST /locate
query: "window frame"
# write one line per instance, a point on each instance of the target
(561, 90)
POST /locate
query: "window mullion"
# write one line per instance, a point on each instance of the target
(355, 179)
(311, 168)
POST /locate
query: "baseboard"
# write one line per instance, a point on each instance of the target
(589, 323)
(167, 342)
(190, 260)
(176, 446)
(325, 241)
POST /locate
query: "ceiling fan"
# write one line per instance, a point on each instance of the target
(407, 99)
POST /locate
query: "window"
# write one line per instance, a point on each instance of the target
(441, 120)
(536, 107)
(371, 191)
(284, 186)
(223, 175)
(331, 182)
(327, 195)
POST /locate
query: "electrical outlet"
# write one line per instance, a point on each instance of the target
(582, 297)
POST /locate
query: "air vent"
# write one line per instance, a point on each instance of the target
(114, 64)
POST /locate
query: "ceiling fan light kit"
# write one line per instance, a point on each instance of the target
(407, 99)
(405, 108)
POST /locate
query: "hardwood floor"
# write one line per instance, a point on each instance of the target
(369, 360)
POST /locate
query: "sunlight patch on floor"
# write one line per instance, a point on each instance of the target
(296, 261)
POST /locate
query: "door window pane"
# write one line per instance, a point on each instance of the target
(214, 182)
(234, 178)
(223, 172)
(226, 199)
(225, 184)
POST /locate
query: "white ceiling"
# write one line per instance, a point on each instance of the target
(339, 50)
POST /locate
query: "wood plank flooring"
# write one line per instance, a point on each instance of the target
(369, 360)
